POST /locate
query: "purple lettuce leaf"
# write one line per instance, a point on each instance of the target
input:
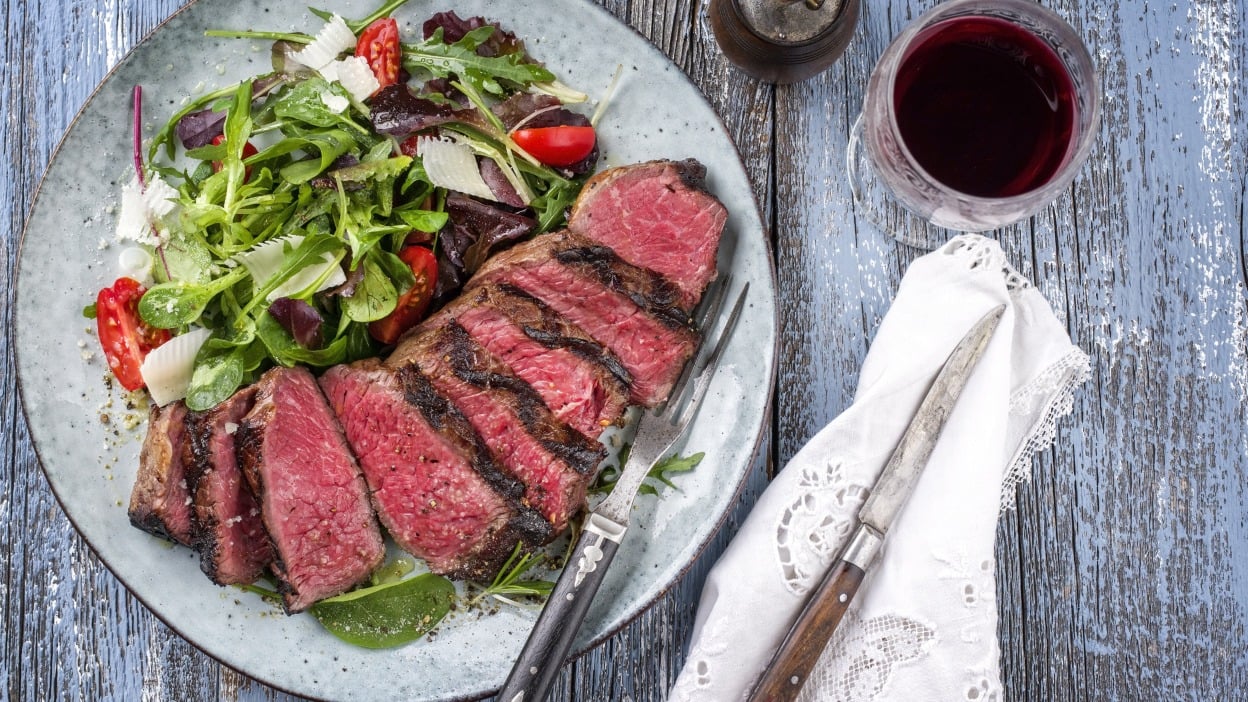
(454, 27)
(299, 319)
(474, 231)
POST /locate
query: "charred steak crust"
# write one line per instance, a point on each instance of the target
(528, 524)
(228, 532)
(647, 289)
(455, 428)
(553, 460)
(160, 501)
(465, 357)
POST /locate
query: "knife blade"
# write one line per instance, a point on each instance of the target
(793, 661)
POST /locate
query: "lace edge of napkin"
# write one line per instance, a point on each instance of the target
(1047, 399)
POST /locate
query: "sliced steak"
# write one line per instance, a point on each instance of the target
(554, 461)
(160, 502)
(228, 532)
(582, 383)
(312, 497)
(626, 309)
(656, 215)
(434, 484)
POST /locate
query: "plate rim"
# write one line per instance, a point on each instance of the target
(577, 652)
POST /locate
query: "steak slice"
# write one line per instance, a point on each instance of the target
(436, 488)
(160, 502)
(554, 461)
(228, 531)
(657, 215)
(621, 306)
(583, 384)
(312, 497)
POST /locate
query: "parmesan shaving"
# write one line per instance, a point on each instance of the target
(333, 39)
(451, 165)
(354, 74)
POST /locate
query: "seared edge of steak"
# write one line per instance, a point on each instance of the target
(316, 512)
(657, 215)
(582, 383)
(554, 460)
(160, 502)
(652, 349)
(228, 530)
(428, 482)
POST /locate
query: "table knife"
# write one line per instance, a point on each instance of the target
(792, 663)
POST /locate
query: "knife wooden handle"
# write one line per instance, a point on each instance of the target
(800, 650)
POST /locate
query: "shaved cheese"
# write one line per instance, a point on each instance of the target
(336, 103)
(451, 165)
(265, 260)
(143, 210)
(167, 369)
(335, 38)
(354, 74)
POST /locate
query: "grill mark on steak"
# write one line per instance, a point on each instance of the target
(647, 289)
(160, 500)
(464, 356)
(658, 216)
(451, 423)
(553, 460)
(652, 348)
(427, 472)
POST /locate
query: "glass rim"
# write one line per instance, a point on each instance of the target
(1082, 140)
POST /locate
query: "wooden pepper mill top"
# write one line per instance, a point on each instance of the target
(783, 41)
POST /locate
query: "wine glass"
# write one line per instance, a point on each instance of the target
(979, 114)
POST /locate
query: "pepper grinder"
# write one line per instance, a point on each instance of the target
(783, 41)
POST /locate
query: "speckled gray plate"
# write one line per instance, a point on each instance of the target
(655, 113)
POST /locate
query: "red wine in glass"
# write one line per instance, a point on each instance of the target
(985, 107)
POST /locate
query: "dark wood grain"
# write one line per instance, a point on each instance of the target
(1121, 574)
(790, 668)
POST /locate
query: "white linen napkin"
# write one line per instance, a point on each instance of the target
(924, 625)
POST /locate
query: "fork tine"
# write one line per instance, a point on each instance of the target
(712, 362)
(706, 311)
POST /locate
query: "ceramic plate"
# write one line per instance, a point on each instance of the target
(91, 461)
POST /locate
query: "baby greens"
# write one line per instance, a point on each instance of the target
(287, 190)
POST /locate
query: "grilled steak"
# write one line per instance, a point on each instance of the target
(228, 531)
(582, 383)
(435, 486)
(554, 461)
(628, 310)
(656, 215)
(159, 502)
(312, 497)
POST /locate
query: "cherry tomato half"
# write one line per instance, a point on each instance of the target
(556, 146)
(415, 302)
(379, 45)
(249, 150)
(126, 339)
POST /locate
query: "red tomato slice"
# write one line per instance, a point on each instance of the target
(415, 302)
(125, 338)
(249, 150)
(556, 146)
(379, 45)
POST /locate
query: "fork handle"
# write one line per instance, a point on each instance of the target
(544, 653)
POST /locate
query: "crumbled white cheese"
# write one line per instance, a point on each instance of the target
(143, 211)
(333, 39)
(136, 262)
(354, 74)
(230, 428)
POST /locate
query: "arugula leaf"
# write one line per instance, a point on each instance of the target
(507, 582)
(374, 296)
(304, 103)
(387, 615)
(436, 57)
(661, 473)
(357, 26)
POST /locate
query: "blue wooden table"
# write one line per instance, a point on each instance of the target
(1123, 573)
